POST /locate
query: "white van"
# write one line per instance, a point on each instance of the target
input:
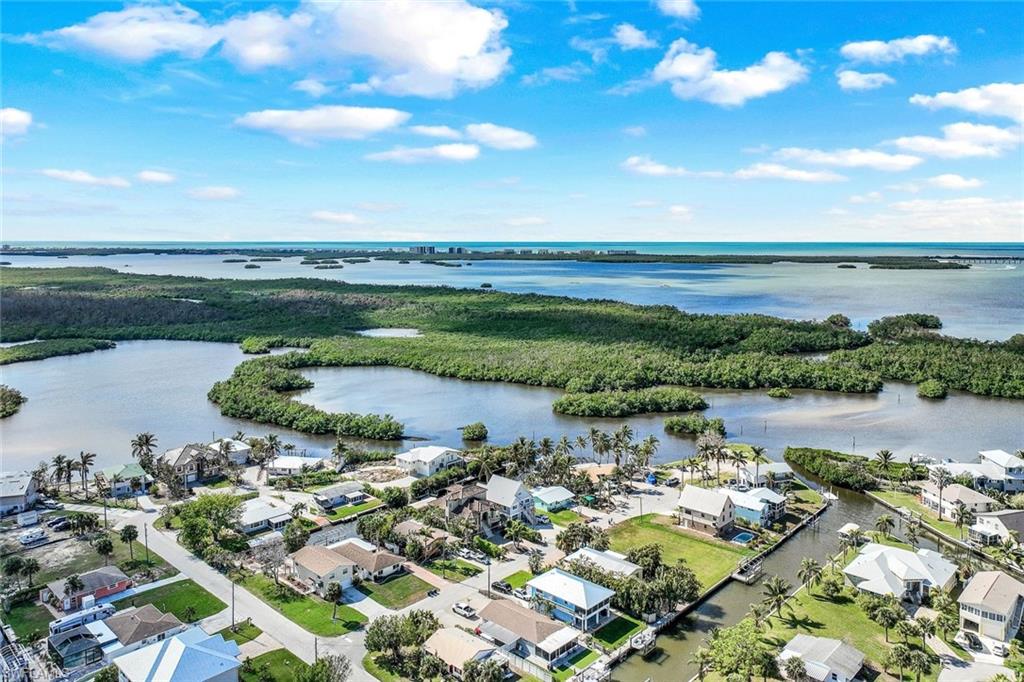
(81, 618)
(33, 536)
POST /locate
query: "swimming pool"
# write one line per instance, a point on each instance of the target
(743, 538)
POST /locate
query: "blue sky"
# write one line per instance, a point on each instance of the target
(663, 120)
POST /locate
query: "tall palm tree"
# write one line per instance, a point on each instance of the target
(711, 446)
(809, 573)
(143, 445)
(581, 442)
(273, 445)
(702, 659)
(884, 524)
(776, 592)
(963, 517)
(942, 478)
(29, 567)
(85, 461)
(913, 528)
(885, 459)
(738, 459)
(759, 456)
(60, 463)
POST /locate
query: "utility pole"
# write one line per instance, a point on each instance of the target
(316, 654)
(145, 534)
(488, 579)
(105, 526)
(233, 606)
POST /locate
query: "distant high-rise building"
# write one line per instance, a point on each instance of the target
(423, 249)
(456, 249)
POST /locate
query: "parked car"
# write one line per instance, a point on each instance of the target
(521, 593)
(464, 609)
(62, 526)
(464, 553)
(433, 593)
(973, 643)
(30, 537)
(50, 504)
(56, 521)
(501, 586)
(672, 482)
(542, 518)
(1000, 649)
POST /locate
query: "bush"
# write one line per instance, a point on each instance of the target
(475, 432)
(896, 326)
(431, 484)
(694, 424)
(489, 548)
(932, 389)
(837, 468)
(11, 400)
(779, 393)
(624, 403)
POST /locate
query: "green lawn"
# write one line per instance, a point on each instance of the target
(311, 612)
(176, 598)
(579, 661)
(244, 632)
(350, 509)
(397, 592)
(563, 517)
(519, 578)
(452, 569)
(78, 556)
(615, 633)
(29, 620)
(910, 501)
(378, 669)
(711, 560)
(280, 664)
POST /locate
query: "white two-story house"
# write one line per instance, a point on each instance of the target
(952, 497)
(707, 511)
(507, 499)
(991, 606)
(577, 602)
(428, 460)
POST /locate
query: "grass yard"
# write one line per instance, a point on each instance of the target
(618, 631)
(348, 510)
(455, 569)
(311, 612)
(397, 592)
(805, 497)
(519, 578)
(29, 620)
(579, 661)
(244, 632)
(562, 517)
(280, 665)
(177, 598)
(378, 668)
(711, 560)
(61, 559)
(898, 499)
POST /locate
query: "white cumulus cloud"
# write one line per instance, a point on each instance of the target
(629, 37)
(82, 177)
(994, 99)
(215, 193)
(963, 140)
(775, 171)
(680, 9)
(312, 87)
(645, 165)
(500, 137)
(337, 122)
(693, 74)
(338, 218)
(954, 181)
(889, 51)
(14, 122)
(850, 158)
(680, 212)
(442, 152)
(155, 177)
(437, 131)
(852, 81)
(868, 198)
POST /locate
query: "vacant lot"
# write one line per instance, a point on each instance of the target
(396, 593)
(183, 599)
(311, 612)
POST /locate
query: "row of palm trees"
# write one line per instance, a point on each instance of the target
(63, 470)
(712, 448)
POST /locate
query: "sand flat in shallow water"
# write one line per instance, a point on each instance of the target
(386, 332)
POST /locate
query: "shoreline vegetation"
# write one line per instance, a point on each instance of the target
(611, 358)
(937, 262)
(11, 400)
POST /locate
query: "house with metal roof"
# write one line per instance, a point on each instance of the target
(346, 492)
(902, 573)
(190, 656)
(998, 526)
(18, 491)
(427, 460)
(293, 465)
(237, 451)
(825, 659)
(97, 583)
(260, 513)
(765, 475)
(553, 498)
(571, 599)
(953, 496)
(507, 499)
(457, 647)
(706, 511)
(607, 560)
(126, 479)
(991, 606)
(526, 634)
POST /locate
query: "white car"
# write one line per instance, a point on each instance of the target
(464, 609)
(30, 537)
(521, 593)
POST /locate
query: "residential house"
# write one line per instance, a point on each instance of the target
(760, 475)
(991, 528)
(190, 656)
(1011, 466)
(761, 508)
(455, 648)
(432, 539)
(707, 511)
(134, 628)
(346, 492)
(260, 513)
(428, 460)
(991, 606)
(74, 648)
(607, 560)
(319, 566)
(577, 602)
(126, 479)
(507, 499)
(238, 451)
(18, 492)
(192, 463)
(952, 497)
(293, 465)
(902, 573)
(776, 502)
(825, 659)
(524, 633)
(97, 583)
(375, 565)
(553, 498)
(995, 469)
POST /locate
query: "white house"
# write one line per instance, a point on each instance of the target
(995, 527)
(346, 492)
(991, 606)
(261, 514)
(553, 498)
(318, 567)
(192, 463)
(825, 659)
(952, 497)
(292, 465)
(428, 460)
(508, 499)
(569, 598)
(996, 469)
(238, 451)
(526, 634)
(457, 647)
(760, 506)
(126, 479)
(134, 628)
(17, 492)
(370, 564)
(904, 574)
(707, 511)
(606, 560)
(759, 475)
(191, 656)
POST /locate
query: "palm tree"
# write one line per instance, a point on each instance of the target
(885, 459)
(926, 628)
(60, 463)
(776, 592)
(711, 446)
(809, 573)
(142, 448)
(73, 585)
(912, 533)
(104, 547)
(759, 614)
(920, 663)
(581, 442)
(942, 478)
(703, 660)
(29, 567)
(887, 617)
(85, 460)
(963, 516)
(795, 669)
(738, 460)
(884, 524)
(273, 445)
(899, 657)
(333, 594)
(516, 530)
(759, 456)
(128, 535)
